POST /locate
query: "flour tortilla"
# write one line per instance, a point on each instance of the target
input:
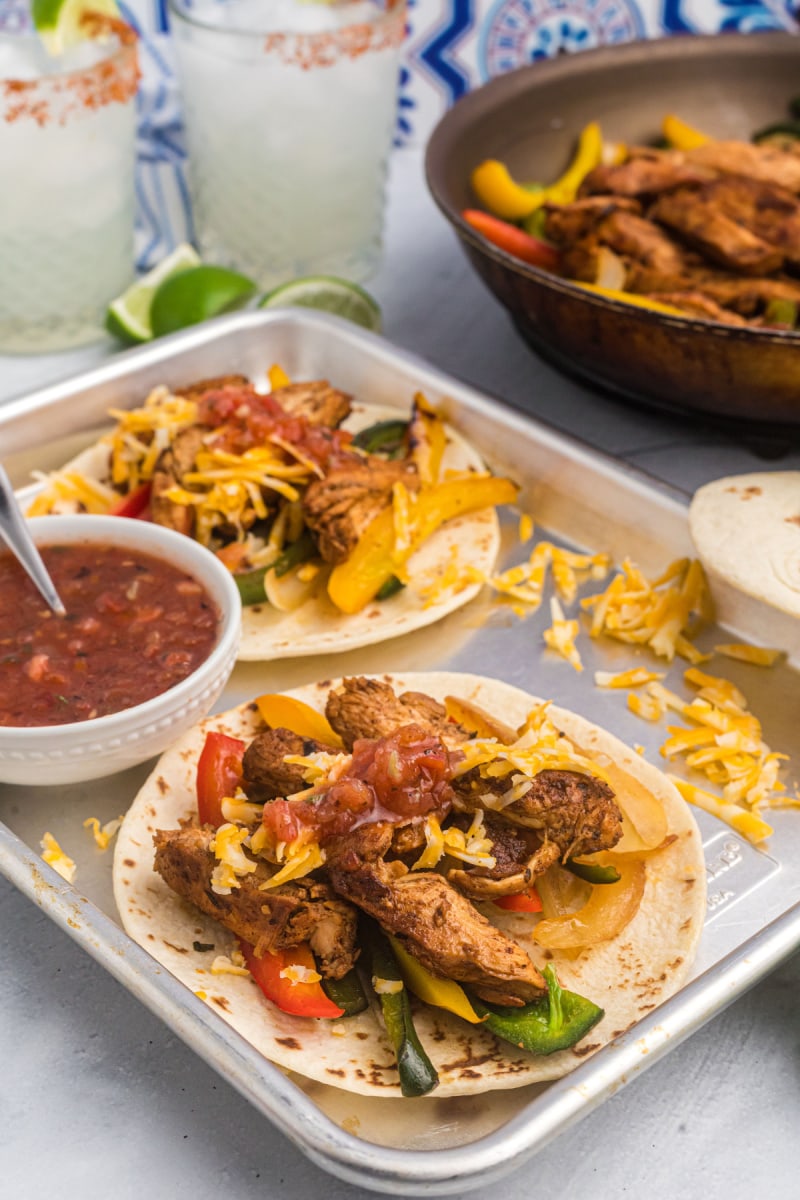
(627, 976)
(746, 528)
(318, 627)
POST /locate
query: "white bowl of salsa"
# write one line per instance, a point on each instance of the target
(150, 638)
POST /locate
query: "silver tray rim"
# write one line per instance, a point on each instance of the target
(352, 1158)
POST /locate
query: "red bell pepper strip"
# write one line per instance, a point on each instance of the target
(134, 505)
(297, 999)
(513, 240)
(219, 770)
(529, 901)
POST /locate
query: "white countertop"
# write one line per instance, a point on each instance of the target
(98, 1098)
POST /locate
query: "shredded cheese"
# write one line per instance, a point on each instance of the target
(758, 655)
(561, 635)
(222, 965)
(300, 859)
(102, 834)
(655, 614)
(55, 856)
(386, 987)
(232, 862)
(296, 973)
(526, 581)
(635, 677)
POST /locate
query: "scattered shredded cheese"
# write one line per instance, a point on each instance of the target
(386, 987)
(525, 582)
(232, 862)
(655, 614)
(299, 860)
(222, 965)
(635, 677)
(296, 973)
(525, 528)
(758, 655)
(561, 635)
(55, 856)
(102, 834)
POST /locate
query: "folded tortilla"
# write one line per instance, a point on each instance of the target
(318, 627)
(627, 976)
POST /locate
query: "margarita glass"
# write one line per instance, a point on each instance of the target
(67, 152)
(289, 108)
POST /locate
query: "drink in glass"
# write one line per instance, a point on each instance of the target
(67, 151)
(289, 108)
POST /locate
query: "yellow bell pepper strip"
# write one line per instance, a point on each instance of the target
(631, 298)
(441, 993)
(277, 377)
(680, 135)
(588, 156)
(284, 712)
(356, 581)
(608, 910)
(493, 185)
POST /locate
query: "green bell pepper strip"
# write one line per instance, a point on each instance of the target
(417, 1073)
(593, 872)
(555, 1022)
(781, 313)
(392, 586)
(788, 130)
(348, 993)
(251, 583)
(387, 438)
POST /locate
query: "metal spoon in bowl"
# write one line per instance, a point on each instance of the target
(14, 532)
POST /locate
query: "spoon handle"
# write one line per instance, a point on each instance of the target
(14, 532)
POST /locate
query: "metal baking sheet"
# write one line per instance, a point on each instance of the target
(578, 497)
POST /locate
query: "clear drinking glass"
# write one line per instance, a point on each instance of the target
(67, 152)
(289, 108)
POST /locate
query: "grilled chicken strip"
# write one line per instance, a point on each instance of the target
(172, 465)
(513, 848)
(439, 927)
(196, 391)
(341, 506)
(645, 173)
(696, 216)
(566, 223)
(265, 775)
(301, 911)
(696, 304)
(317, 401)
(573, 814)
(369, 708)
(769, 164)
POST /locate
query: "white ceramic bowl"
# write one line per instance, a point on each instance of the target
(56, 754)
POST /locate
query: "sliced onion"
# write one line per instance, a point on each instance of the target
(476, 720)
(644, 822)
(287, 592)
(611, 272)
(610, 907)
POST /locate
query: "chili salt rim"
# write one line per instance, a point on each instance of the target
(113, 80)
(314, 50)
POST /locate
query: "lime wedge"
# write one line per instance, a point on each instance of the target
(195, 295)
(329, 294)
(128, 316)
(59, 23)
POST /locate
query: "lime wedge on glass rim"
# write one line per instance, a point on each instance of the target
(59, 23)
(327, 293)
(128, 316)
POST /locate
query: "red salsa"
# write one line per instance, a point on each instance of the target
(135, 626)
(404, 775)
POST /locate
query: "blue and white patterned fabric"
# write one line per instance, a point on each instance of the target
(451, 47)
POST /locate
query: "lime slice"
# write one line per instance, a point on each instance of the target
(128, 316)
(329, 294)
(59, 23)
(194, 295)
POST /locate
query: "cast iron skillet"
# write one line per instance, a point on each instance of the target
(727, 85)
